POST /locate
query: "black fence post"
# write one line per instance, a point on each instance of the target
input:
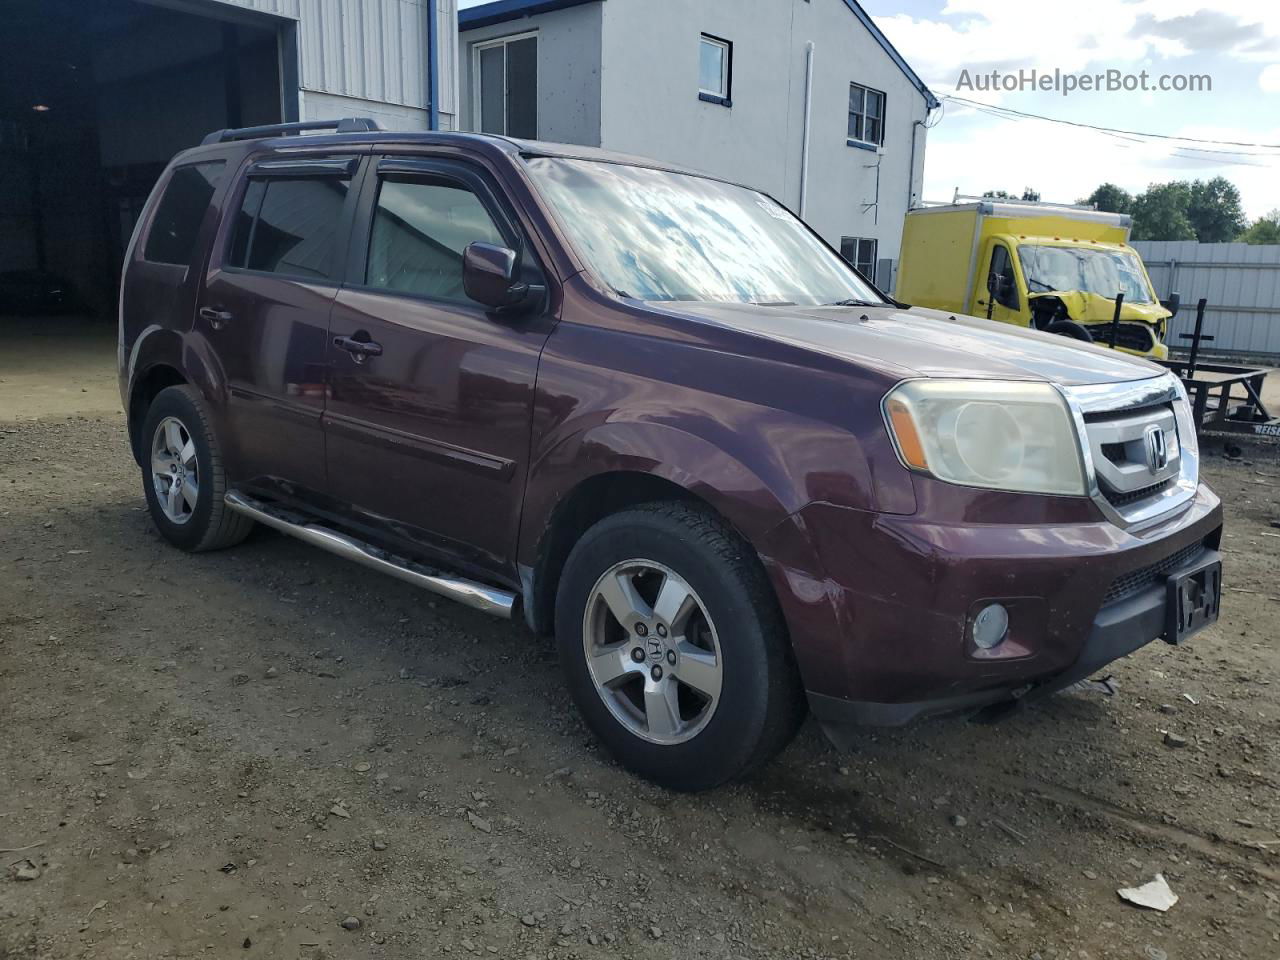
(1196, 337)
(1115, 320)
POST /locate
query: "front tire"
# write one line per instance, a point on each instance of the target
(674, 648)
(183, 476)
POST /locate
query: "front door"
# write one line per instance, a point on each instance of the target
(431, 394)
(996, 292)
(264, 312)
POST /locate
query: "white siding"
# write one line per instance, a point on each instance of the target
(650, 105)
(369, 57)
(1241, 282)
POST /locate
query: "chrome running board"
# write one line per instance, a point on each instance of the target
(500, 603)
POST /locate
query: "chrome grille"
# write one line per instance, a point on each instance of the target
(1140, 447)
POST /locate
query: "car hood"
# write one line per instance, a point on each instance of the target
(929, 343)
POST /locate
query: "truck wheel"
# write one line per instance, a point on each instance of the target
(674, 648)
(183, 477)
(1069, 328)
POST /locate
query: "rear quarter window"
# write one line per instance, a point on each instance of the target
(172, 237)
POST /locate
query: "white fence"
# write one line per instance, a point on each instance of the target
(1241, 282)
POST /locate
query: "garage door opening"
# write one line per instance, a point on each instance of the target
(94, 100)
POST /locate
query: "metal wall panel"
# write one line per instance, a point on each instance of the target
(1241, 282)
(373, 50)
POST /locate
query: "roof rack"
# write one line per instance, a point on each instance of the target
(345, 125)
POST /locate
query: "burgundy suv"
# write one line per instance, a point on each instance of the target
(653, 413)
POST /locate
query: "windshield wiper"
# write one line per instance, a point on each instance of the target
(855, 303)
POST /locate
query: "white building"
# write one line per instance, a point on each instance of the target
(803, 99)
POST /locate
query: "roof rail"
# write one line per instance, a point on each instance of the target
(345, 125)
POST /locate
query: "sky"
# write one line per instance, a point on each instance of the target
(1235, 42)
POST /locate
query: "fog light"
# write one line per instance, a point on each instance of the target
(990, 626)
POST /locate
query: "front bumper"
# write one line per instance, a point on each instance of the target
(879, 620)
(1119, 629)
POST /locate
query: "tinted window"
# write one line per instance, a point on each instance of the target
(420, 230)
(289, 226)
(172, 238)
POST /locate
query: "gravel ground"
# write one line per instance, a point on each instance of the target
(268, 751)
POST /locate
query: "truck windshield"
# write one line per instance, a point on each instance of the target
(1104, 272)
(654, 235)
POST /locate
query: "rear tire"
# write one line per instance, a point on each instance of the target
(182, 474)
(697, 686)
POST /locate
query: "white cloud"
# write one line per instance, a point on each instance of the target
(1067, 175)
(1086, 36)
(1269, 79)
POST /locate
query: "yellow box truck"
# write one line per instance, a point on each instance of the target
(1049, 267)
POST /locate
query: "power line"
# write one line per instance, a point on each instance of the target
(987, 107)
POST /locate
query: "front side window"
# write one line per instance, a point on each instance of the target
(654, 235)
(420, 230)
(289, 226)
(866, 114)
(861, 252)
(715, 58)
(1089, 270)
(172, 238)
(1006, 291)
(506, 79)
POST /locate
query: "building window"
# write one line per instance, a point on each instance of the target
(866, 115)
(505, 78)
(861, 252)
(715, 70)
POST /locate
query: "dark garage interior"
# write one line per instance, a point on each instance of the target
(95, 98)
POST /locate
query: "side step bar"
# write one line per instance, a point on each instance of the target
(500, 603)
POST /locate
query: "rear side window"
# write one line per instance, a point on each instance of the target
(420, 229)
(289, 227)
(172, 238)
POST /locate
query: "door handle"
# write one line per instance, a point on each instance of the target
(359, 349)
(217, 318)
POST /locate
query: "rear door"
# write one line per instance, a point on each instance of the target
(264, 312)
(428, 435)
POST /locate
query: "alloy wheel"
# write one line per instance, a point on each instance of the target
(175, 471)
(652, 651)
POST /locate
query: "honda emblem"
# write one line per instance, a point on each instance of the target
(1154, 444)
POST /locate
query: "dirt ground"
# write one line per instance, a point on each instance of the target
(235, 754)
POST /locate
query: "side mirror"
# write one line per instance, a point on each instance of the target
(489, 277)
(1172, 304)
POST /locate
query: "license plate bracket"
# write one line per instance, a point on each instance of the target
(1194, 599)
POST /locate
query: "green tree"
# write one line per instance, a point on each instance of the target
(1027, 194)
(1213, 207)
(1111, 198)
(1263, 230)
(1160, 213)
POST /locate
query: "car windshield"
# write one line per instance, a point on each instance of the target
(654, 235)
(1100, 271)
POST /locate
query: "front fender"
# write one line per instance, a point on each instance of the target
(752, 503)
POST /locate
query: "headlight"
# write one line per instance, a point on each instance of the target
(999, 435)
